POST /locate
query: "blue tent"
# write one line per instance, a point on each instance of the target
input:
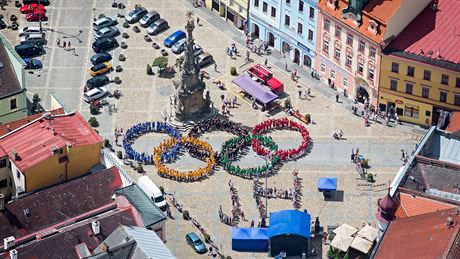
(289, 232)
(250, 239)
(327, 184)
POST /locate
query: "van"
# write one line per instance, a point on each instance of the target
(152, 191)
(29, 50)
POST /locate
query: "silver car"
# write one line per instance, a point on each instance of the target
(95, 94)
(149, 18)
(135, 15)
(107, 32)
(179, 46)
(30, 30)
(104, 22)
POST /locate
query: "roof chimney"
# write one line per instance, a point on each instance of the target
(14, 254)
(2, 202)
(449, 221)
(15, 154)
(434, 5)
(8, 242)
(96, 226)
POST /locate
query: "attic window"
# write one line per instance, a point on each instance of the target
(373, 27)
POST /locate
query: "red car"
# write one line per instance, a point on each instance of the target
(36, 16)
(32, 7)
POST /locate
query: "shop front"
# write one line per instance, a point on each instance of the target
(408, 110)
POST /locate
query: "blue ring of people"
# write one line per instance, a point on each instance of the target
(143, 128)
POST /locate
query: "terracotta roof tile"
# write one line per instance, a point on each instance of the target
(34, 142)
(12, 125)
(412, 205)
(382, 10)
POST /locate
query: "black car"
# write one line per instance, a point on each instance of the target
(2, 24)
(104, 45)
(100, 57)
(97, 81)
(43, 2)
(29, 50)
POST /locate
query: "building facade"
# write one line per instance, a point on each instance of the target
(233, 11)
(287, 26)
(420, 69)
(351, 35)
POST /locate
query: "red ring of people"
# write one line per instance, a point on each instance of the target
(280, 124)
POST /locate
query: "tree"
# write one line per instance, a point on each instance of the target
(93, 122)
(233, 71)
(93, 109)
(160, 62)
(149, 70)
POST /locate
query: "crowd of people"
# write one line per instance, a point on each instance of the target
(185, 176)
(281, 124)
(147, 127)
(297, 193)
(218, 123)
(257, 191)
(237, 213)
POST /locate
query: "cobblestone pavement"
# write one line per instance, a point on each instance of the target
(144, 97)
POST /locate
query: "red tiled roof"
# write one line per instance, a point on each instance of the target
(454, 123)
(35, 141)
(378, 10)
(412, 205)
(59, 203)
(422, 236)
(436, 31)
(12, 125)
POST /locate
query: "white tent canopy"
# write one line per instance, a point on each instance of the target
(342, 242)
(361, 245)
(345, 230)
(368, 232)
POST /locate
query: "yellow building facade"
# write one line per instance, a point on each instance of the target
(234, 11)
(416, 91)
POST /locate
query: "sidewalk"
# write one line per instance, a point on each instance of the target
(277, 60)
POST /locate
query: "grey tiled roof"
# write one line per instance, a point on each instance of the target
(9, 83)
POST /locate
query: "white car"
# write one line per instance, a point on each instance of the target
(107, 32)
(104, 22)
(30, 30)
(95, 94)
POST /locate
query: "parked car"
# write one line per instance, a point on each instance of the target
(100, 57)
(195, 242)
(157, 27)
(100, 69)
(33, 63)
(179, 46)
(135, 15)
(204, 59)
(107, 32)
(104, 22)
(29, 50)
(2, 24)
(173, 38)
(33, 38)
(32, 7)
(152, 191)
(197, 50)
(36, 16)
(43, 2)
(104, 44)
(97, 81)
(149, 18)
(95, 94)
(30, 30)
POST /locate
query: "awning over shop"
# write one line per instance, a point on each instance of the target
(327, 184)
(254, 89)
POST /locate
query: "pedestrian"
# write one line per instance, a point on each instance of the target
(286, 66)
(247, 56)
(215, 67)
(64, 44)
(198, 21)
(337, 98)
(252, 223)
(58, 41)
(300, 94)
(235, 100)
(68, 45)
(242, 216)
(266, 61)
(402, 154)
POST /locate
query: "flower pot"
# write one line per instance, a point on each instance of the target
(147, 38)
(118, 68)
(136, 29)
(125, 35)
(123, 45)
(122, 57)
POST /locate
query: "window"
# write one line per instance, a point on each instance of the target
(394, 85)
(410, 71)
(323, 68)
(332, 74)
(273, 14)
(287, 20)
(337, 53)
(409, 88)
(256, 3)
(370, 74)
(345, 82)
(425, 92)
(372, 52)
(301, 6)
(3, 183)
(310, 34)
(63, 159)
(13, 104)
(361, 46)
(360, 68)
(427, 75)
(326, 46)
(457, 83)
(445, 79)
(3, 163)
(312, 13)
(395, 67)
(411, 112)
(299, 28)
(338, 31)
(18, 174)
(457, 100)
(443, 96)
(327, 24)
(348, 61)
(288, 1)
(264, 7)
(350, 39)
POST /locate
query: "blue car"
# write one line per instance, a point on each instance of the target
(173, 38)
(33, 63)
(100, 58)
(195, 242)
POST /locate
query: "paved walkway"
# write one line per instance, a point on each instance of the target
(278, 60)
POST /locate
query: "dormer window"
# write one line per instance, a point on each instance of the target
(373, 27)
(332, 3)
